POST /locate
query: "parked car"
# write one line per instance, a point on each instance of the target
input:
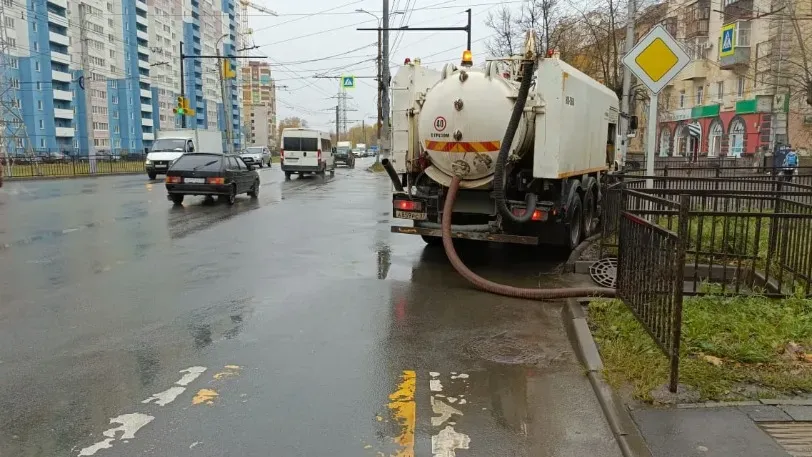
(225, 176)
(259, 155)
(54, 157)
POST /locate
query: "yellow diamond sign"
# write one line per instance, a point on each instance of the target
(656, 59)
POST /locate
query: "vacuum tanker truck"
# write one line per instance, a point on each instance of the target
(451, 123)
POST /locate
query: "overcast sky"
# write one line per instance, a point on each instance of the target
(320, 36)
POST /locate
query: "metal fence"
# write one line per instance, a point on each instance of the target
(698, 236)
(66, 166)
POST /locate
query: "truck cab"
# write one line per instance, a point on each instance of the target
(171, 144)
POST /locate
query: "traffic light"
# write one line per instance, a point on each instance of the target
(183, 107)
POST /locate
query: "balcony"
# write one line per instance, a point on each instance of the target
(57, 56)
(64, 132)
(143, 64)
(696, 69)
(142, 35)
(740, 58)
(59, 39)
(146, 93)
(63, 95)
(60, 3)
(141, 5)
(697, 28)
(740, 9)
(146, 108)
(146, 122)
(148, 136)
(61, 76)
(61, 113)
(141, 20)
(143, 50)
(57, 19)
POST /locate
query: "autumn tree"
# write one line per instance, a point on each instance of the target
(357, 135)
(291, 123)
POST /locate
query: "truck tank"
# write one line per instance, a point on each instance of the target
(465, 115)
(463, 121)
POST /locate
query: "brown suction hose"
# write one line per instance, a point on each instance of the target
(502, 289)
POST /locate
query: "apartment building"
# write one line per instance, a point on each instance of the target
(259, 104)
(107, 73)
(730, 100)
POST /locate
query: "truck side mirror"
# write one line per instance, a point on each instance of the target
(333, 150)
(632, 123)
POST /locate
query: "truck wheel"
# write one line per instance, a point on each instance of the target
(332, 172)
(152, 176)
(575, 218)
(590, 222)
(177, 199)
(432, 240)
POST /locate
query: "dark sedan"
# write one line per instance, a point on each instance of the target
(225, 176)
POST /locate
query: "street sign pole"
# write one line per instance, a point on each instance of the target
(651, 138)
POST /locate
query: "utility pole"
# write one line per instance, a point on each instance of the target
(386, 145)
(627, 85)
(91, 147)
(226, 108)
(364, 131)
(381, 88)
(182, 84)
(13, 134)
(338, 123)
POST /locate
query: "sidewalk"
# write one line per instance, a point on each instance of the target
(743, 429)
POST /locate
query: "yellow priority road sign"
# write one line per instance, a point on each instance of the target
(656, 59)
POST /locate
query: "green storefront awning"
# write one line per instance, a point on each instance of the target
(705, 111)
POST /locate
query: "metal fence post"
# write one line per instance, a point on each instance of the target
(679, 284)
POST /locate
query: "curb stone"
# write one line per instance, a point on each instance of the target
(575, 255)
(628, 437)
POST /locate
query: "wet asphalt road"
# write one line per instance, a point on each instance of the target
(291, 325)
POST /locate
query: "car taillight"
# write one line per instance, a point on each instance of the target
(215, 180)
(408, 205)
(173, 179)
(538, 215)
(281, 153)
(318, 153)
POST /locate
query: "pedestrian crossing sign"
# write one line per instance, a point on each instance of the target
(348, 82)
(727, 46)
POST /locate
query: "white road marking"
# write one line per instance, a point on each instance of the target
(447, 441)
(444, 410)
(435, 385)
(129, 424)
(459, 376)
(166, 397)
(452, 400)
(194, 444)
(192, 373)
(434, 374)
(92, 449)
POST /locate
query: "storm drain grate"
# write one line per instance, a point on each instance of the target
(604, 272)
(794, 437)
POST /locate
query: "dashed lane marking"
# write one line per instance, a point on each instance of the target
(448, 440)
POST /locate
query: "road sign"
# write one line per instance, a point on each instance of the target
(656, 59)
(727, 40)
(348, 82)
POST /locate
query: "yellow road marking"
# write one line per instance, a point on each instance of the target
(231, 370)
(205, 396)
(402, 405)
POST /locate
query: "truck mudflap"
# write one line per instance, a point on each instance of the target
(480, 236)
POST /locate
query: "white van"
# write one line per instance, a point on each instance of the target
(306, 151)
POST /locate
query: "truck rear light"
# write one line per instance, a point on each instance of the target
(318, 154)
(220, 181)
(408, 205)
(538, 215)
(173, 179)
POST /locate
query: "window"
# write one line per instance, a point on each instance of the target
(682, 99)
(34, 26)
(35, 45)
(39, 105)
(720, 90)
(700, 94)
(113, 84)
(39, 85)
(117, 130)
(742, 34)
(12, 42)
(115, 102)
(736, 138)
(15, 83)
(36, 66)
(42, 142)
(41, 124)
(115, 114)
(9, 22)
(715, 140)
(740, 87)
(13, 62)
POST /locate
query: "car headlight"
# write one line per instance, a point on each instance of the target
(148, 162)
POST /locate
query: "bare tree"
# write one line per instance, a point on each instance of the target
(507, 38)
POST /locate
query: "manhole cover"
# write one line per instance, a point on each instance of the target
(506, 349)
(604, 272)
(794, 437)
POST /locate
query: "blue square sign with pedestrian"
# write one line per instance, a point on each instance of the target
(348, 82)
(726, 47)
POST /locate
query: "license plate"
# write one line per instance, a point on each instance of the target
(292, 159)
(410, 215)
(160, 166)
(194, 180)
